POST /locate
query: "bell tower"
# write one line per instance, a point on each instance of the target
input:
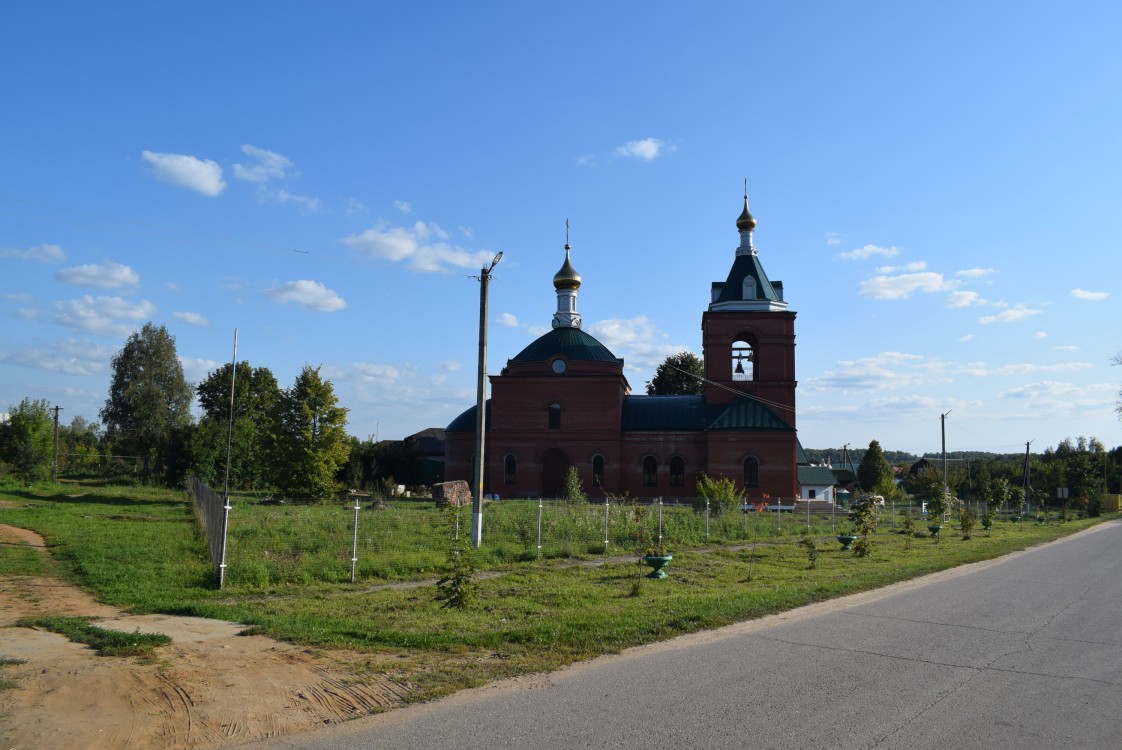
(748, 332)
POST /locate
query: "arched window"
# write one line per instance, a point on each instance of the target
(677, 471)
(743, 361)
(751, 472)
(598, 471)
(555, 416)
(650, 471)
(510, 469)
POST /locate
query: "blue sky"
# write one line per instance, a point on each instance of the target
(937, 186)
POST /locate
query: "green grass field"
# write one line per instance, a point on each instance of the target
(142, 549)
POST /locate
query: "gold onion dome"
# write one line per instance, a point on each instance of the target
(746, 220)
(567, 277)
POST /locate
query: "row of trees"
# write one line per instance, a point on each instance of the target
(292, 440)
(1082, 466)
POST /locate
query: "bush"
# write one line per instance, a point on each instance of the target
(722, 495)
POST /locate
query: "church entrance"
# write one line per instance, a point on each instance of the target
(554, 465)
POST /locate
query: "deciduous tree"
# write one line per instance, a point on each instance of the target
(27, 440)
(308, 438)
(149, 401)
(679, 375)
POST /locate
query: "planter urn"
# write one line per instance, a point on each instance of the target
(657, 563)
(846, 541)
(935, 528)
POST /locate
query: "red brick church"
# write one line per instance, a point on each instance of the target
(564, 401)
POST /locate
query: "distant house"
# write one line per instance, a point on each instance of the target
(816, 483)
(430, 444)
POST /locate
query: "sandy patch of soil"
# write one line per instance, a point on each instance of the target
(211, 687)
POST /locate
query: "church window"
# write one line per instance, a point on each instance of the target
(677, 471)
(555, 416)
(743, 361)
(811, 494)
(650, 471)
(510, 469)
(751, 472)
(598, 471)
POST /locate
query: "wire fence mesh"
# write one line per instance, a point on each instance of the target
(367, 539)
(211, 509)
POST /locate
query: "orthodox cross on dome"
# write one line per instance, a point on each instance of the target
(566, 282)
(746, 224)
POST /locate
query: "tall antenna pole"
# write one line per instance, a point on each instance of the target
(1025, 479)
(54, 461)
(229, 444)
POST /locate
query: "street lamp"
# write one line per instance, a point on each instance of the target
(480, 407)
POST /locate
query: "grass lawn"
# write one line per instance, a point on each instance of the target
(141, 549)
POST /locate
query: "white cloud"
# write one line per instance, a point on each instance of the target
(1058, 393)
(904, 285)
(311, 295)
(916, 265)
(966, 337)
(647, 149)
(111, 317)
(355, 207)
(70, 357)
(195, 369)
(201, 175)
(1040, 335)
(41, 253)
(964, 299)
(638, 340)
(190, 318)
(17, 296)
(1066, 348)
(884, 370)
(1089, 296)
(507, 319)
(588, 160)
(833, 239)
(423, 246)
(974, 273)
(308, 204)
(404, 207)
(448, 366)
(266, 165)
(869, 251)
(1013, 314)
(102, 275)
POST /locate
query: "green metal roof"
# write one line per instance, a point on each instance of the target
(800, 455)
(746, 413)
(663, 413)
(466, 421)
(733, 288)
(571, 343)
(817, 475)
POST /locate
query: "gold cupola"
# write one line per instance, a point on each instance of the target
(567, 277)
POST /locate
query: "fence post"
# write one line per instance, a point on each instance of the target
(605, 525)
(660, 523)
(539, 528)
(706, 520)
(354, 543)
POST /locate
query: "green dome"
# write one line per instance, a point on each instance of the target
(571, 343)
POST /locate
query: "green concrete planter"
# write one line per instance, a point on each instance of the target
(657, 563)
(935, 528)
(846, 541)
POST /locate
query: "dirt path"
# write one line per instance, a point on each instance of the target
(211, 687)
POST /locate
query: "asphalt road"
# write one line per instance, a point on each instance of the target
(1023, 652)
